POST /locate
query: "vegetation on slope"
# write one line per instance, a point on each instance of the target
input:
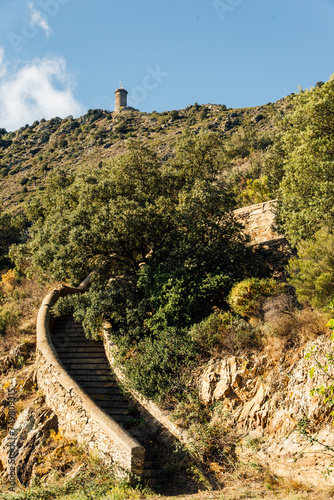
(29, 155)
(178, 281)
(169, 245)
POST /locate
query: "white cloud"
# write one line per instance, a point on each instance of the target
(41, 89)
(3, 66)
(37, 19)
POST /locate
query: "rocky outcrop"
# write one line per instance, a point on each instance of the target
(272, 401)
(17, 354)
(24, 441)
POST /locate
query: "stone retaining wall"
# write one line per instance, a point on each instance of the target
(78, 416)
(259, 221)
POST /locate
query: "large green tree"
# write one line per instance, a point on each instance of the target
(128, 211)
(167, 238)
(312, 272)
(307, 189)
(11, 232)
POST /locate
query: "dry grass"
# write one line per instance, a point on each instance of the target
(24, 301)
(257, 492)
(284, 325)
(17, 344)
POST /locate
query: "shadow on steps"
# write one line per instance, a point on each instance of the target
(166, 463)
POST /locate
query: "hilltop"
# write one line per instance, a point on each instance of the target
(30, 154)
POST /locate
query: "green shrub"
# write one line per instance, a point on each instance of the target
(4, 320)
(256, 191)
(23, 181)
(8, 317)
(62, 143)
(247, 297)
(209, 333)
(243, 334)
(154, 369)
(223, 331)
(312, 271)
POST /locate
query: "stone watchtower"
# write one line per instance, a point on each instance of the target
(121, 100)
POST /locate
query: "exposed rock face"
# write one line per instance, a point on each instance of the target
(24, 441)
(259, 225)
(21, 351)
(221, 379)
(259, 221)
(272, 401)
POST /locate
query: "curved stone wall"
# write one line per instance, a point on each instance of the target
(78, 416)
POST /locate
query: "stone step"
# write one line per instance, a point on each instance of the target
(92, 379)
(81, 350)
(120, 419)
(152, 473)
(65, 321)
(64, 344)
(87, 371)
(110, 400)
(86, 362)
(75, 338)
(114, 403)
(152, 454)
(138, 434)
(84, 356)
(67, 326)
(70, 332)
(103, 393)
(105, 399)
(101, 390)
(149, 464)
(89, 363)
(111, 390)
(101, 384)
(97, 367)
(71, 337)
(116, 411)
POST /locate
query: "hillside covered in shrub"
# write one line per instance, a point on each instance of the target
(148, 200)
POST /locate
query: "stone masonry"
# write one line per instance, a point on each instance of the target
(78, 416)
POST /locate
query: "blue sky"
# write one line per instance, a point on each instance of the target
(61, 57)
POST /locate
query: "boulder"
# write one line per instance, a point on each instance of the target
(25, 440)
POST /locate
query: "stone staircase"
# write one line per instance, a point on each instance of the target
(86, 362)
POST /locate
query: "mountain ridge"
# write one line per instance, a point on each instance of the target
(30, 154)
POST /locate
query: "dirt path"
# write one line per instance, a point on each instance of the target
(244, 493)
